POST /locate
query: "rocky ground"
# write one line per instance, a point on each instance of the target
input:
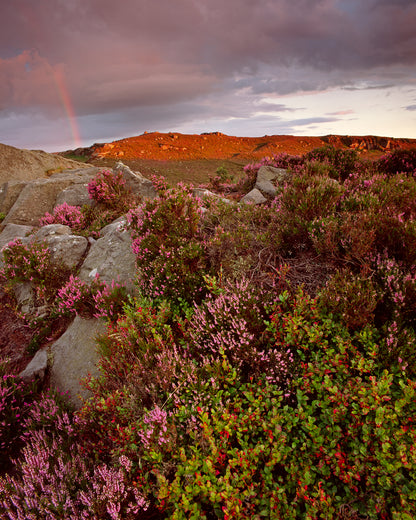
(26, 165)
(174, 146)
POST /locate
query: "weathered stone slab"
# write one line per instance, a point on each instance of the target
(138, 184)
(254, 197)
(201, 193)
(37, 367)
(74, 356)
(266, 187)
(64, 247)
(9, 193)
(76, 195)
(270, 173)
(12, 231)
(35, 200)
(111, 257)
(39, 197)
(269, 179)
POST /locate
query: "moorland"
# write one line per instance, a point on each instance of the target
(265, 367)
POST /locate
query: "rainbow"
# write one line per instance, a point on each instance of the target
(59, 79)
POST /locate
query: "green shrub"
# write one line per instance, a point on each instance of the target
(340, 164)
(350, 298)
(233, 237)
(166, 241)
(302, 201)
(398, 161)
(31, 262)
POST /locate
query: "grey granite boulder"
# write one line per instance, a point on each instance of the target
(64, 247)
(9, 193)
(74, 356)
(75, 195)
(270, 173)
(39, 196)
(35, 200)
(138, 184)
(269, 177)
(203, 193)
(13, 231)
(254, 197)
(51, 230)
(111, 257)
(25, 298)
(37, 367)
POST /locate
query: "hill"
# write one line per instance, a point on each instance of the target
(195, 158)
(174, 146)
(25, 165)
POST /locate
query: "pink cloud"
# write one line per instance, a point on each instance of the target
(27, 80)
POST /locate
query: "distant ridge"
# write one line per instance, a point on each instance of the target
(215, 145)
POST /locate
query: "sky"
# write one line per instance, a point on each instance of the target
(76, 72)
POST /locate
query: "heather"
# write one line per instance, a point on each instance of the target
(264, 367)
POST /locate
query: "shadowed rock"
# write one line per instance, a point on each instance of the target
(254, 197)
(74, 356)
(9, 193)
(37, 368)
(111, 257)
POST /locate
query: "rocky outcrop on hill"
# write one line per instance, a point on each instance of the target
(73, 355)
(368, 142)
(215, 145)
(28, 165)
(40, 196)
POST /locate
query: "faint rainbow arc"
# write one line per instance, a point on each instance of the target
(62, 89)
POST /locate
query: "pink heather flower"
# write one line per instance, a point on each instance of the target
(65, 214)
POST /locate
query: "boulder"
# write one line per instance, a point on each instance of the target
(74, 356)
(35, 200)
(67, 249)
(12, 231)
(39, 196)
(269, 177)
(27, 165)
(254, 197)
(77, 176)
(202, 193)
(138, 184)
(25, 298)
(116, 225)
(51, 230)
(266, 187)
(76, 195)
(9, 193)
(270, 173)
(37, 368)
(111, 257)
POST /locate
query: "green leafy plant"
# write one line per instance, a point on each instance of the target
(170, 256)
(31, 262)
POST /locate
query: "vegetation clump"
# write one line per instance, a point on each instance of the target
(265, 368)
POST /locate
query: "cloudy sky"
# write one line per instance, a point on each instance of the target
(75, 72)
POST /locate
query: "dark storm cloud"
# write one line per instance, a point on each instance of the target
(99, 57)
